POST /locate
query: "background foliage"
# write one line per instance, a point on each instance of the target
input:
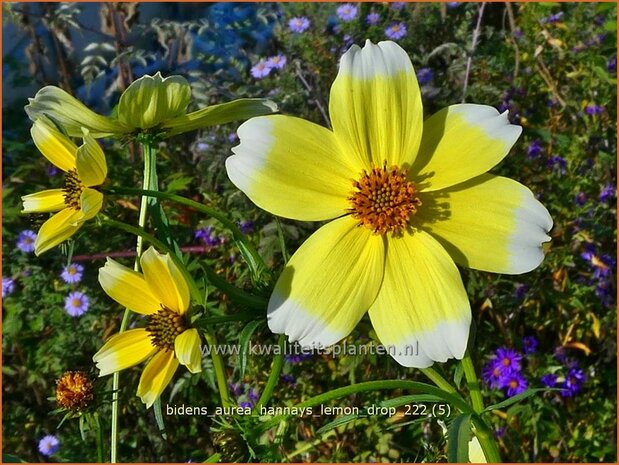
(553, 65)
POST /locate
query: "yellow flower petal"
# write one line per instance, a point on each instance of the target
(328, 284)
(461, 142)
(50, 200)
(489, 223)
(54, 145)
(91, 202)
(236, 110)
(156, 376)
(165, 280)
(187, 349)
(292, 168)
(57, 229)
(124, 350)
(71, 114)
(422, 313)
(91, 165)
(128, 288)
(150, 100)
(375, 104)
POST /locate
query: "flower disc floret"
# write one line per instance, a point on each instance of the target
(164, 326)
(384, 200)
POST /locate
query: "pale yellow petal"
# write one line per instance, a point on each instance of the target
(150, 100)
(124, 350)
(187, 349)
(50, 200)
(489, 223)
(328, 284)
(375, 105)
(292, 168)
(57, 229)
(91, 165)
(91, 202)
(128, 288)
(54, 145)
(156, 376)
(237, 110)
(422, 313)
(71, 114)
(461, 142)
(165, 280)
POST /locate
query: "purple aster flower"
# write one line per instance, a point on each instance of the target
(246, 227)
(52, 170)
(529, 345)
(236, 389)
(397, 6)
(294, 358)
(289, 379)
(452, 5)
(549, 380)
(580, 199)
(347, 12)
(500, 432)
(232, 137)
(25, 241)
(72, 274)
(593, 109)
(424, 76)
(260, 70)
(508, 358)
(372, 19)
(246, 404)
(493, 373)
(277, 61)
(208, 237)
(574, 381)
(299, 24)
(558, 163)
(49, 445)
(76, 304)
(8, 286)
(611, 65)
(535, 149)
(514, 383)
(520, 291)
(396, 31)
(608, 193)
(553, 18)
(253, 395)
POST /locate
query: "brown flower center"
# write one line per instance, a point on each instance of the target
(164, 326)
(72, 189)
(74, 390)
(384, 200)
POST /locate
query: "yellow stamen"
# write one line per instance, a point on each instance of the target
(384, 200)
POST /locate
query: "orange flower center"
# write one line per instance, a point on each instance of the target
(164, 326)
(74, 390)
(384, 200)
(72, 189)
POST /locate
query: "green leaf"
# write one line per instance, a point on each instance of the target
(213, 458)
(458, 438)
(10, 458)
(413, 398)
(159, 417)
(244, 340)
(338, 422)
(458, 375)
(516, 398)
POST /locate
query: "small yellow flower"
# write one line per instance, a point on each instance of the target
(151, 103)
(77, 201)
(408, 200)
(162, 295)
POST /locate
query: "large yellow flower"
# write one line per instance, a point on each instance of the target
(151, 103)
(407, 199)
(162, 295)
(77, 201)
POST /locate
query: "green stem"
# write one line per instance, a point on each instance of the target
(99, 437)
(456, 401)
(236, 294)
(486, 440)
(437, 379)
(248, 250)
(195, 293)
(472, 382)
(149, 182)
(276, 369)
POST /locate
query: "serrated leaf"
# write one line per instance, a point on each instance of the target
(458, 438)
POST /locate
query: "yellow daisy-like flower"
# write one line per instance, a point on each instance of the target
(151, 103)
(77, 201)
(162, 295)
(407, 199)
